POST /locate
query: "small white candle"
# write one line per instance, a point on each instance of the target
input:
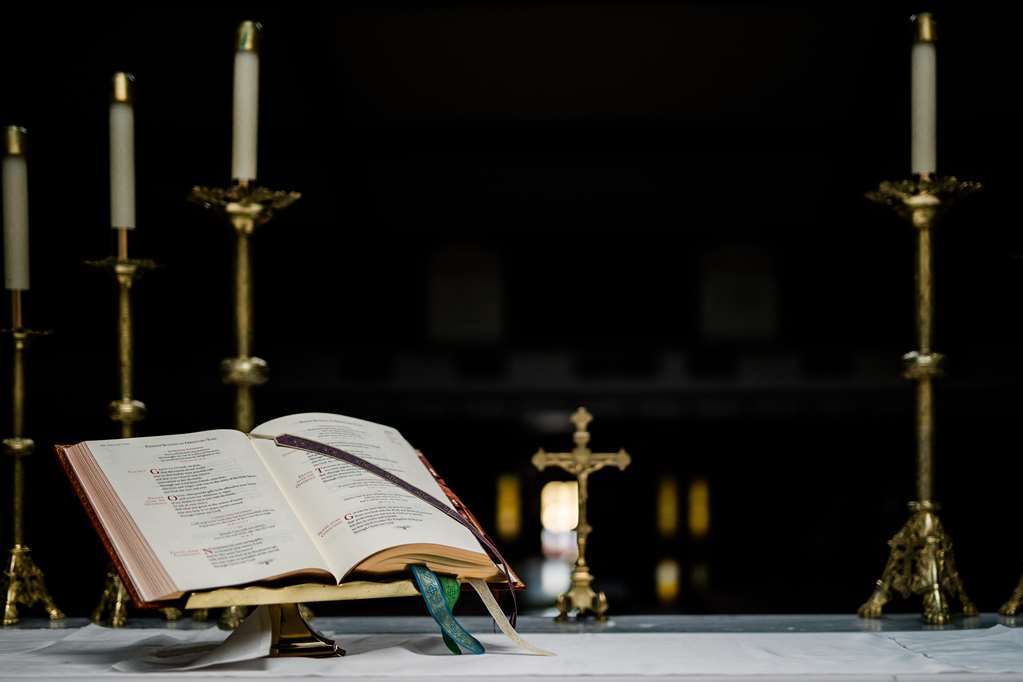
(15, 181)
(924, 98)
(246, 103)
(122, 154)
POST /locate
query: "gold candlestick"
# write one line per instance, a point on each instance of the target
(112, 608)
(25, 583)
(581, 462)
(921, 560)
(245, 206)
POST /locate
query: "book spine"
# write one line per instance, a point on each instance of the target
(460, 507)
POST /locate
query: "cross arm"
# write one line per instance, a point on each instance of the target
(543, 459)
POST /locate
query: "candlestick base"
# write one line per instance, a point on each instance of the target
(1011, 607)
(231, 617)
(921, 562)
(26, 586)
(112, 610)
(171, 614)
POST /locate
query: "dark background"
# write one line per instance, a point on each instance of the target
(653, 209)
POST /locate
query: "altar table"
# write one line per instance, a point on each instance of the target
(719, 648)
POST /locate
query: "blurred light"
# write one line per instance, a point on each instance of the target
(509, 507)
(667, 507)
(555, 577)
(560, 545)
(699, 509)
(667, 580)
(559, 506)
(547, 421)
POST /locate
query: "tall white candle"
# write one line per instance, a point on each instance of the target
(246, 103)
(15, 181)
(122, 153)
(924, 89)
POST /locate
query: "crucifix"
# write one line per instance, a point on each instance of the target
(581, 462)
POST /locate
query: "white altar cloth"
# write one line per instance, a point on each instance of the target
(988, 653)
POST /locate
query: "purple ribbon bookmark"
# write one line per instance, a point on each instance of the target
(299, 443)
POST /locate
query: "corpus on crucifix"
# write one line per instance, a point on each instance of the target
(581, 462)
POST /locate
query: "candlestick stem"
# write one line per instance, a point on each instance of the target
(112, 609)
(243, 293)
(25, 583)
(925, 390)
(245, 206)
(18, 406)
(125, 347)
(20, 340)
(921, 560)
(19, 503)
(244, 417)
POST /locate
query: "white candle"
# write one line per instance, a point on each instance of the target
(924, 98)
(15, 181)
(122, 154)
(246, 103)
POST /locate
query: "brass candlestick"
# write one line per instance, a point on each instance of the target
(112, 609)
(921, 560)
(581, 462)
(25, 583)
(245, 206)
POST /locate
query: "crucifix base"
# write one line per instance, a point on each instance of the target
(581, 598)
(921, 562)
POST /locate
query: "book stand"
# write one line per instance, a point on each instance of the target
(291, 635)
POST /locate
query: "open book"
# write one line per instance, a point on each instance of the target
(217, 508)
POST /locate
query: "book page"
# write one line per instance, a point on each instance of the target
(207, 507)
(350, 513)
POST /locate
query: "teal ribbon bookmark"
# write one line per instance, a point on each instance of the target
(440, 595)
(452, 590)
